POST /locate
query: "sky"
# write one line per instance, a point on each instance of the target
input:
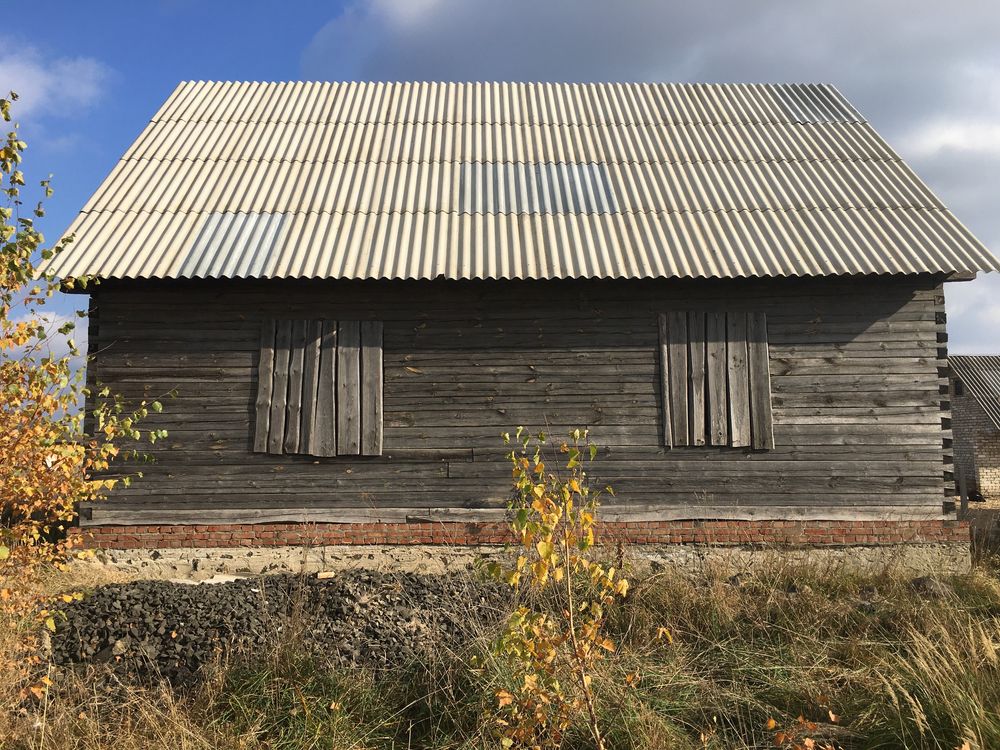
(925, 74)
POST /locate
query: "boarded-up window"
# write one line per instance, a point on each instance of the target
(319, 389)
(715, 380)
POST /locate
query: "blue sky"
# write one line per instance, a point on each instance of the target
(926, 74)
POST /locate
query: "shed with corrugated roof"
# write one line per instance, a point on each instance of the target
(354, 288)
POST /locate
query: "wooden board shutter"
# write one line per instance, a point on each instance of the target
(348, 388)
(303, 374)
(678, 375)
(324, 437)
(265, 374)
(668, 434)
(279, 387)
(371, 388)
(310, 386)
(696, 366)
(739, 385)
(718, 399)
(293, 407)
(758, 361)
(715, 380)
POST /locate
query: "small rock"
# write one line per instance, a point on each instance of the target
(930, 586)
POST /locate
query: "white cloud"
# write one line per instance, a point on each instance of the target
(57, 86)
(974, 316)
(406, 12)
(977, 136)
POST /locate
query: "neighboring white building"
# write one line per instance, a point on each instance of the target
(975, 406)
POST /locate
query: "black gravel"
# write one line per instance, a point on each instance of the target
(358, 618)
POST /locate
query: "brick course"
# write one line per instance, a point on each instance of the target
(976, 445)
(792, 533)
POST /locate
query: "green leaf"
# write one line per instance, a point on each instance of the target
(4, 552)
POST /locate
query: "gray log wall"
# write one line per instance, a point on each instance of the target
(860, 423)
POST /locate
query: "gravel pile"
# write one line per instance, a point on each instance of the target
(357, 618)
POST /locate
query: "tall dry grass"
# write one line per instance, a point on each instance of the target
(705, 660)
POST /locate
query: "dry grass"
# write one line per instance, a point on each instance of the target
(867, 661)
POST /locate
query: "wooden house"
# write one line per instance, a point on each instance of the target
(354, 288)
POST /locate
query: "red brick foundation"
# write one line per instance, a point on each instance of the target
(792, 533)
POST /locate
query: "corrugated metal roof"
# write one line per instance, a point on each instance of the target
(981, 377)
(509, 180)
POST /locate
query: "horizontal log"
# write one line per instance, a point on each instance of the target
(110, 516)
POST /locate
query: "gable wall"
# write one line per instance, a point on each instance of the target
(855, 377)
(977, 447)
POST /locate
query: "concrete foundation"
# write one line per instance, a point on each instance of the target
(208, 562)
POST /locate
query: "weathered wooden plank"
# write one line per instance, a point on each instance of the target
(873, 384)
(664, 373)
(515, 364)
(371, 388)
(888, 471)
(479, 493)
(739, 385)
(233, 452)
(108, 515)
(853, 365)
(228, 405)
(877, 301)
(716, 366)
(279, 391)
(460, 464)
(293, 409)
(265, 374)
(594, 418)
(875, 293)
(758, 364)
(93, 364)
(643, 372)
(677, 336)
(348, 388)
(325, 428)
(697, 364)
(310, 386)
(232, 456)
